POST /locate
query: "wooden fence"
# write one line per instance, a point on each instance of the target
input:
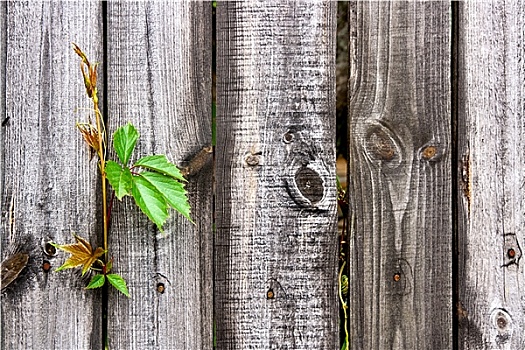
(436, 174)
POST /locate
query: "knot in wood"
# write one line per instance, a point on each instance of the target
(49, 249)
(270, 294)
(512, 250)
(429, 152)
(501, 320)
(252, 159)
(288, 137)
(381, 145)
(309, 184)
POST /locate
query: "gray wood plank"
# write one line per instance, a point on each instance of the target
(276, 241)
(3, 120)
(159, 78)
(491, 75)
(400, 189)
(48, 182)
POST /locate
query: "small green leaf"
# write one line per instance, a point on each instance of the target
(118, 282)
(124, 141)
(119, 178)
(109, 265)
(150, 200)
(97, 281)
(160, 164)
(172, 190)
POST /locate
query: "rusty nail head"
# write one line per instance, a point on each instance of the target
(160, 287)
(46, 266)
(397, 277)
(511, 253)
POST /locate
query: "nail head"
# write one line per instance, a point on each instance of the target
(46, 266)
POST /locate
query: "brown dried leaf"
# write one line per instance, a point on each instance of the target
(91, 136)
(81, 254)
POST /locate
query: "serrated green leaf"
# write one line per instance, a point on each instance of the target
(150, 200)
(97, 281)
(119, 178)
(124, 141)
(160, 164)
(119, 283)
(172, 190)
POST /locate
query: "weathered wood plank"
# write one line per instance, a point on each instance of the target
(48, 181)
(3, 121)
(491, 171)
(159, 78)
(276, 241)
(400, 188)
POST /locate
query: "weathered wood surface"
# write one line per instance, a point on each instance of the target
(400, 188)
(492, 169)
(276, 243)
(48, 181)
(159, 78)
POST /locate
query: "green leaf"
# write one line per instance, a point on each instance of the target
(97, 281)
(172, 190)
(109, 265)
(160, 164)
(118, 282)
(124, 141)
(149, 200)
(119, 178)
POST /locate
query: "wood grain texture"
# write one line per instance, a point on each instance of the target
(3, 117)
(159, 78)
(400, 188)
(491, 104)
(48, 181)
(276, 242)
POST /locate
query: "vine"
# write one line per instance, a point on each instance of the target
(154, 183)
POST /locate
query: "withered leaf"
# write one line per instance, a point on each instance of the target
(11, 268)
(91, 136)
(81, 254)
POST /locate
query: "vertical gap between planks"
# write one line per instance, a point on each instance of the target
(104, 91)
(454, 168)
(213, 141)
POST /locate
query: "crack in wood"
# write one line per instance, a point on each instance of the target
(466, 180)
